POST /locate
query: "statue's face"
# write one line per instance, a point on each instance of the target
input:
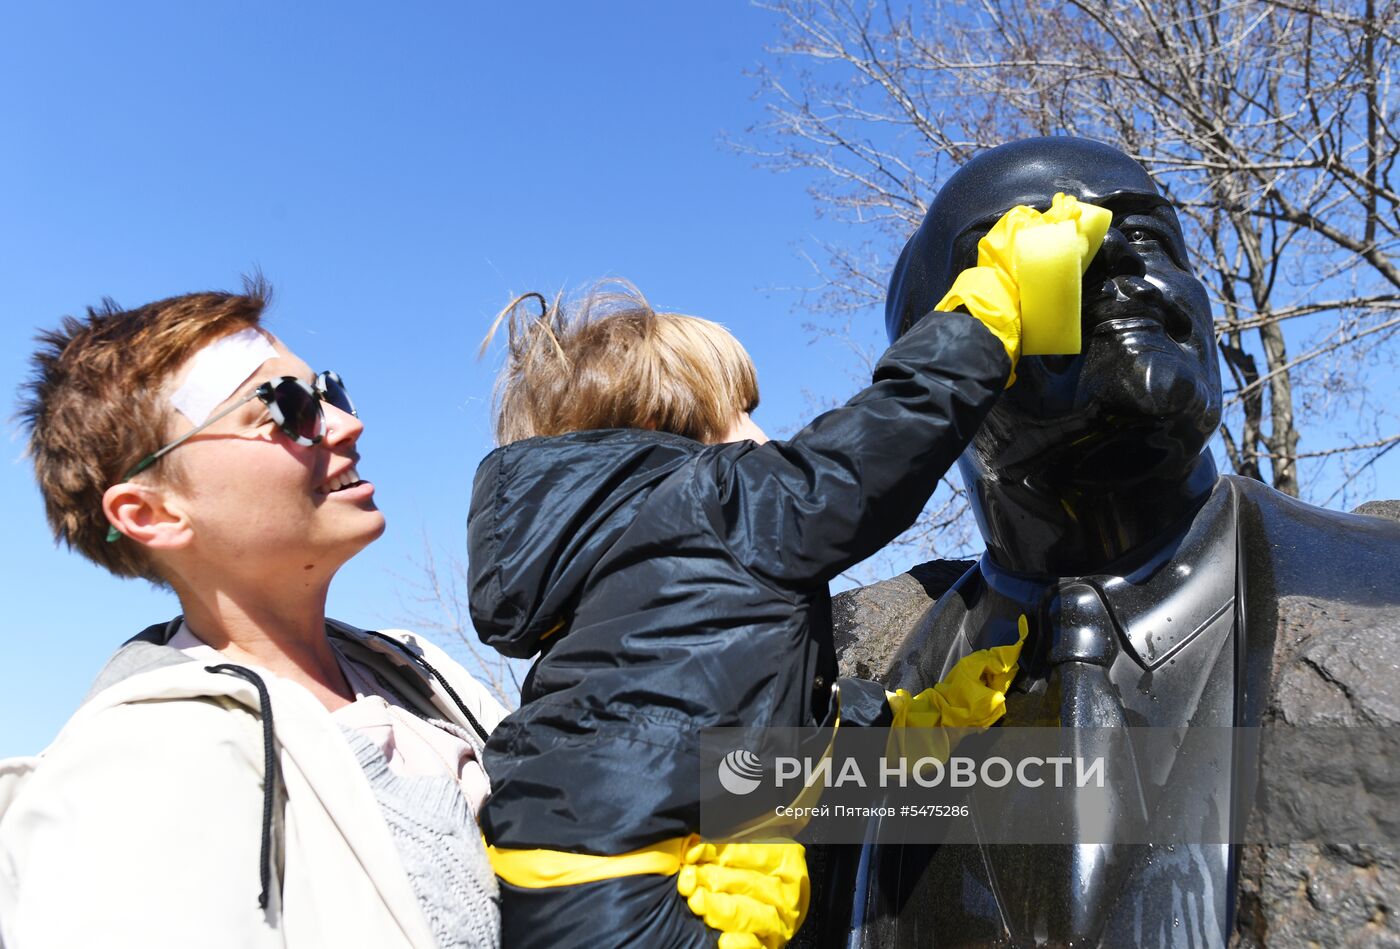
(1145, 391)
(1146, 385)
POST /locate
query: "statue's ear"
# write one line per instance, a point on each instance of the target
(896, 321)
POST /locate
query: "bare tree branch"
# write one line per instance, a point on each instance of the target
(434, 599)
(1270, 124)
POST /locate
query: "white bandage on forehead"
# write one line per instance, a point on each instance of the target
(218, 369)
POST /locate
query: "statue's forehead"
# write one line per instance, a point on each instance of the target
(1031, 172)
(1122, 201)
(1026, 172)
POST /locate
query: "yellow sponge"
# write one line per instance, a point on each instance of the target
(1026, 285)
(1048, 262)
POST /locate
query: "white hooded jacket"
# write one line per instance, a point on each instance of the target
(147, 823)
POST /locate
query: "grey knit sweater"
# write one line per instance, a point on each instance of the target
(438, 841)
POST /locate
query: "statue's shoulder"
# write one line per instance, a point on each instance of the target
(1380, 518)
(1320, 594)
(1320, 588)
(1310, 550)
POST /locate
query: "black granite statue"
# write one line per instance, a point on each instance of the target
(1159, 592)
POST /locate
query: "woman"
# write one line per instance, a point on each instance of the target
(249, 773)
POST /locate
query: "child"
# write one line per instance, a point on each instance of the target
(669, 565)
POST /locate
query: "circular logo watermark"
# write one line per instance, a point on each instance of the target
(740, 772)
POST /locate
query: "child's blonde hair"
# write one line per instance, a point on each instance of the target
(610, 361)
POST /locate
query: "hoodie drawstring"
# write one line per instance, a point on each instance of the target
(269, 772)
(436, 675)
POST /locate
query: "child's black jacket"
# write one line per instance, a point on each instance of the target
(671, 586)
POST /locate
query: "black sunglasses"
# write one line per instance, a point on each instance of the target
(293, 404)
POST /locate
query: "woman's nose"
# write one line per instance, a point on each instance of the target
(342, 428)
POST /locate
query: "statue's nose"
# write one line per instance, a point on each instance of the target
(1116, 258)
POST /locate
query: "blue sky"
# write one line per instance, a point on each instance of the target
(397, 176)
(397, 172)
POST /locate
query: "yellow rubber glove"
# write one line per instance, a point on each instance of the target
(1026, 285)
(972, 695)
(755, 894)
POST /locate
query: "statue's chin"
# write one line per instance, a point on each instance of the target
(1127, 456)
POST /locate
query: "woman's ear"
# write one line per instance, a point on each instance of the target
(148, 515)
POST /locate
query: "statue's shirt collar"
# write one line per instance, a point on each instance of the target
(1159, 604)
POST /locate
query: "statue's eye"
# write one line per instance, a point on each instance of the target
(1136, 235)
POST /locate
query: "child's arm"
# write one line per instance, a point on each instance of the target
(800, 511)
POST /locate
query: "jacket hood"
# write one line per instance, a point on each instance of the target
(144, 652)
(543, 512)
(146, 667)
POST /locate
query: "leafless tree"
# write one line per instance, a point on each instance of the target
(433, 598)
(1271, 124)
